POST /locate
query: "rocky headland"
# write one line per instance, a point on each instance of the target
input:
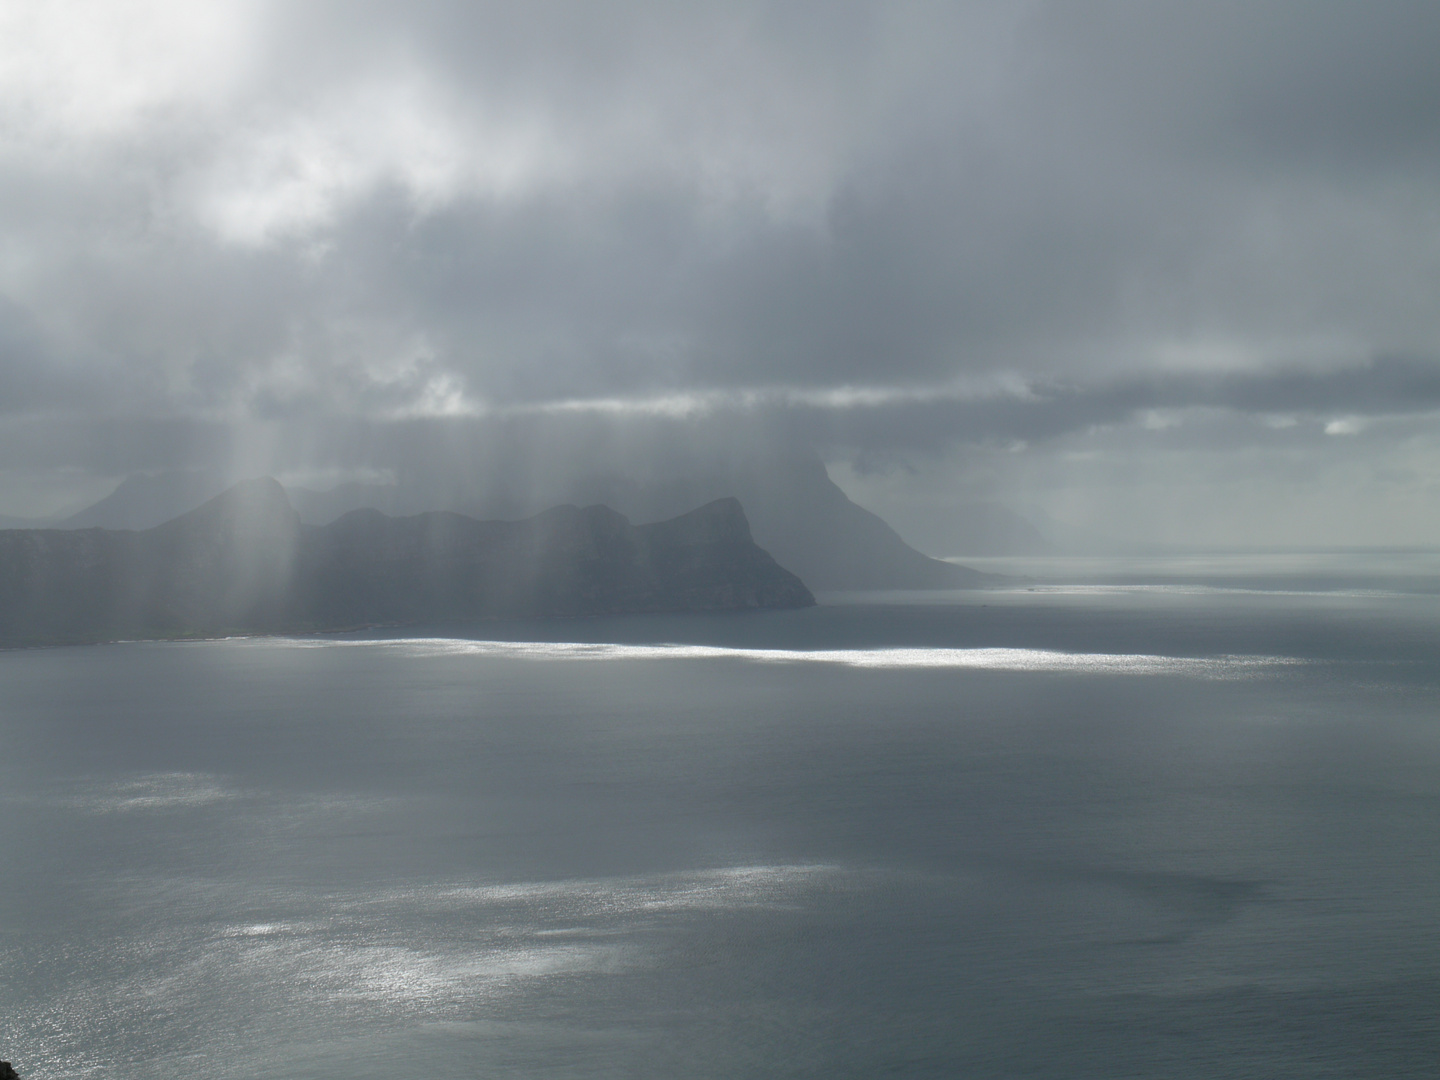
(244, 563)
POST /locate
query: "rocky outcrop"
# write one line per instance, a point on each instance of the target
(367, 567)
(7, 1072)
(226, 565)
(796, 512)
(800, 516)
(243, 562)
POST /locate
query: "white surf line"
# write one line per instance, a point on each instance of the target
(896, 658)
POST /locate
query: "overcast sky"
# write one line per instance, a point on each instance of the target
(1167, 270)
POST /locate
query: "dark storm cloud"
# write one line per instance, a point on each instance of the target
(1342, 86)
(1119, 190)
(691, 432)
(279, 235)
(22, 358)
(1389, 387)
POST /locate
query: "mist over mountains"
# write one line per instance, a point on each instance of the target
(144, 500)
(796, 512)
(244, 562)
(1165, 271)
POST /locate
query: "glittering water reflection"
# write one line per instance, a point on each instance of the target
(1079, 840)
(993, 659)
(364, 959)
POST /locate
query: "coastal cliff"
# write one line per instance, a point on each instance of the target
(244, 563)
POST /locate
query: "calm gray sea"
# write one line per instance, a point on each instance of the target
(1179, 819)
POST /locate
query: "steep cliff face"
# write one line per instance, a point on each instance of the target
(231, 562)
(243, 562)
(53, 582)
(800, 516)
(795, 512)
(367, 567)
(226, 565)
(707, 558)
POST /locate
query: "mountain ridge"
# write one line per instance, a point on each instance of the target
(795, 510)
(244, 562)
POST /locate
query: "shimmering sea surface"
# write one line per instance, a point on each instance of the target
(1152, 819)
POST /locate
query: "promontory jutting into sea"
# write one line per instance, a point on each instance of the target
(721, 541)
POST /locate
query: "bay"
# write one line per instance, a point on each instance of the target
(1118, 821)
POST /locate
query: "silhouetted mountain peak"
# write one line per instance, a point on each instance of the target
(251, 505)
(144, 500)
(721, 521)
(791, 506)
(244, 562)
(801, 517)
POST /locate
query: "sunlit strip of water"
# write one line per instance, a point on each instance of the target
(986, 659)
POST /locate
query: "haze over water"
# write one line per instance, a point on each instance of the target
(1015, 276)
(1143, 823)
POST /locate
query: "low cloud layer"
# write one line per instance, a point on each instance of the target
(329, 237)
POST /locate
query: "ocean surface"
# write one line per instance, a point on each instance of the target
(1160, 818)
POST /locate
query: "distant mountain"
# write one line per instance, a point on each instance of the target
(323, 507)
(367, 567)
(226, 565)
(144, 500)
(800, 516)
(244, 562)
(796, 512)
